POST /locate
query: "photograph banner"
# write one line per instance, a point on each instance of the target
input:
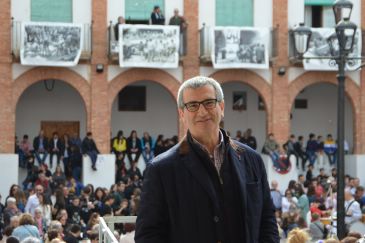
(319, 47)
(51, 44)
(241, 47)
(149, 46)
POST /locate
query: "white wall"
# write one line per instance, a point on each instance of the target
(36, 104)
(251, 118)
(321, 116)
(9, 175)
(160, 116)
(295, 12)
(115, 9)
(81, 10)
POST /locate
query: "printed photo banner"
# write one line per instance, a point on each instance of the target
(241, 47)
(51, 44)
(149, 46)
(319, 47)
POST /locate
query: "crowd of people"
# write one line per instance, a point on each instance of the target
(57, 205)
(310, 203)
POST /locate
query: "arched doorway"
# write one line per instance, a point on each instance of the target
(244, 109)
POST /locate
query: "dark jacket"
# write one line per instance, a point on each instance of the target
(157, 19)
(60, 146)
(138, 144)
(180, 202)
(36, 142)
(89, 145)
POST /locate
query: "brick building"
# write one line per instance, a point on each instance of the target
(91, 96)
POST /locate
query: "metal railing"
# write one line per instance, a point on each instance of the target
(105, 234)
(16, 29)
(111, 220)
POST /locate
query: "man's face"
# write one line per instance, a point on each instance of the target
(203, 121)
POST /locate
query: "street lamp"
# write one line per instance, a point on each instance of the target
(341, 44)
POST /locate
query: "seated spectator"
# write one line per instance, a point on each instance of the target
(74, 212)
(56, 147)
(360, 197)
(26, 228)
(156, 16)
(249, 139)
(75, 162)
(238, 135)
(66, 155)
(76, 140)
(300, 151)
(147, 147)
(288, 202)
(58, 177)
(134, 148)
(271, 147)
(159, 145)
(311, 149)
(89, 149)
(289, 147)
(25, 150)
(330, 148)
(40, 145)
(120, 148)
(121, 20)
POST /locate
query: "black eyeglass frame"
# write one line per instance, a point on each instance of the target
(206, 103)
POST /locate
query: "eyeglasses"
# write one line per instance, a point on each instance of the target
(194, 105)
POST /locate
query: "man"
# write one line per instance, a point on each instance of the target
(178, 20)
(299, 149)
(156, 16)
(311, 149)
(33, 201)
(208, 188)
(56, 147)
(89, 149)
(330, 148)
(40, 145)
(276, 195)
(352, 209)
(74, 234)
(248, 139)
(121, 20)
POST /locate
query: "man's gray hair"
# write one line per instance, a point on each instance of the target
(198, 82)
(31, 239)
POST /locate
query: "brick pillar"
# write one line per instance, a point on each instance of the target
(280, 102)
(100, 112)
(191, 61)
(7, 109)
(361, 132)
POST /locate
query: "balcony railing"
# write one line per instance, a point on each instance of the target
(16, 40)
(206, 43)
(114, 45)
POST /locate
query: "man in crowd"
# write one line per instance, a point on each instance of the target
(89, 149)
(208, 188)
(156, 16)
(352, 209)
(33, 201)
(40, 145)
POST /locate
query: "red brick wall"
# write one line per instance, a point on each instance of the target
(7, 121)
(280, 111)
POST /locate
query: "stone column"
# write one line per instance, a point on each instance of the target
(7, 109)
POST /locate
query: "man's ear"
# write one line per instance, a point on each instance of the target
(221, 104)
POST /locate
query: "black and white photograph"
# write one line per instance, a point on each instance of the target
(149, 46)
(51, 44)
(239, 101)
(240, 47)
(319, 47)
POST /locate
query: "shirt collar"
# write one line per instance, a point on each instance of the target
(219, 145)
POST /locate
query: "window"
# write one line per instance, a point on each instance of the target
(319, 13)
(51, 11)
(132, 98)
(301, 104)
(139, 11)
(234, 13)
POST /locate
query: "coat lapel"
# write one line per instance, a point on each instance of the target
(198, 171)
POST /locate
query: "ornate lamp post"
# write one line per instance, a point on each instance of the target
(341, 44)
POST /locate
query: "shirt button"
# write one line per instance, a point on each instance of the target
(216, 219)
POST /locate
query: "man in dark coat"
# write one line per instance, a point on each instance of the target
(89, 148)
(40, 146)
(208, 188)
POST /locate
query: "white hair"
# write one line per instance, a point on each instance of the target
(31, 239)
(197, 82)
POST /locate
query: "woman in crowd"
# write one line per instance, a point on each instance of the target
(26, 228)
(21, 200)
(58, 177)
(45, 208)
(60, 203)
(147, 148)
(288, 202)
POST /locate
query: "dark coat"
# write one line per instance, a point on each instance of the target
(36, 143)
(179, 202)
(88, 145)
(60, 146)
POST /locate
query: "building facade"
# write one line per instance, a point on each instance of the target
(88, 93)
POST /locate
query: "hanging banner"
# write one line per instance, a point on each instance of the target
(319, 47)
(150, 46)
(241, 47)
(51, 44)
